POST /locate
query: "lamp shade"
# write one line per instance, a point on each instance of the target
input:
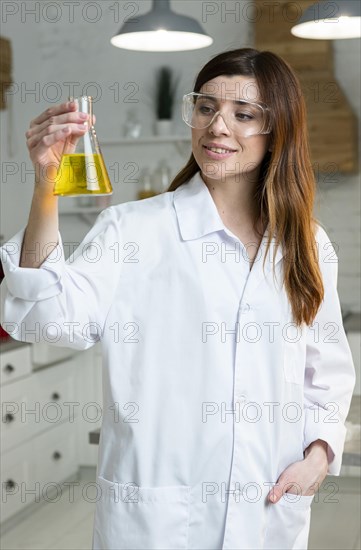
(161, 30)
(330, 21)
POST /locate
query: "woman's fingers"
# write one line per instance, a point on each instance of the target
(49, 130)
(68, 108)
(52, 112)
(54, 123)
(49, 136)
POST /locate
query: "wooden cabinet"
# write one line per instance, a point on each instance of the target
(332, 124)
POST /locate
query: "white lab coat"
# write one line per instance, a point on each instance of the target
(209, 392)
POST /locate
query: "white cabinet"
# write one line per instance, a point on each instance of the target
(37, 402)
(15, 478)
(56, 456)
(31, 471)
(47, 415)
(39, 439)
(15, 364)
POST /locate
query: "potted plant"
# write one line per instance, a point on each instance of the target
(165, 92)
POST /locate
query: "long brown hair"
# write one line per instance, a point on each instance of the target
(285, 192)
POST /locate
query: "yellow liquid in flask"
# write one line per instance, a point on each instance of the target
(81, 174)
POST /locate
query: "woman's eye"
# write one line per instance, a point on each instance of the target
(244, 116)
(205, 110)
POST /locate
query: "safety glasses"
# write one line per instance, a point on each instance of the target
(244, 118)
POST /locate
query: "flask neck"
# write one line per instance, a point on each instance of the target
(85, 105)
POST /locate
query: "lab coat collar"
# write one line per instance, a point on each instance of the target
(196, 211)
(198, 216)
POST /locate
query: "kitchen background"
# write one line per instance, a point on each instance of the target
(63, 48)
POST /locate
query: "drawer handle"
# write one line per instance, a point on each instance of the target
(56, 455)
(55, 396)
(8, 417)
(9, 368)
(9, 484)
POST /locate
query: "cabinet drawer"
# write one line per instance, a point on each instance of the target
(54, 388)
(17, 422)
(15, 364)
(55, 456)
(37, 402)
(14, 482)
(32, 470)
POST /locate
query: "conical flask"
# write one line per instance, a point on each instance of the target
(82, 170)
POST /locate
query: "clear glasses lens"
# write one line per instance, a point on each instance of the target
(242, 117)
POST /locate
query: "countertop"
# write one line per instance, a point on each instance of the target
(11, 344)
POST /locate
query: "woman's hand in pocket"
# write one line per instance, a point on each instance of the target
(303, 477)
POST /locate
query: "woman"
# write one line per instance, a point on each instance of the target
(214, 303)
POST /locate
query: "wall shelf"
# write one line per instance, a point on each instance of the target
(332, 124)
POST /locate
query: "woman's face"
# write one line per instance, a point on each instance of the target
(248, 152)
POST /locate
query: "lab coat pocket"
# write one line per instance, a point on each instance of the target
(294, 359)
(131, 517)
(297, 502)
(289, 523)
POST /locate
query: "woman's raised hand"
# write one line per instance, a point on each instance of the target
(46, 137)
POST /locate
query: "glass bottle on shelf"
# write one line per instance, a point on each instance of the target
(164, 176)
(132, 126)
(146, 189)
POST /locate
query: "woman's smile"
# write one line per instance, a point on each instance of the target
(217, 152)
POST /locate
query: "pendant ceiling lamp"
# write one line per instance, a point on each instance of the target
(161, 30)
(330, 21)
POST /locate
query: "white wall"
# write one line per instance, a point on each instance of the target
(78, 50)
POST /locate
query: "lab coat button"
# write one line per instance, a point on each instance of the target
(245, 308)
(242, 398)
